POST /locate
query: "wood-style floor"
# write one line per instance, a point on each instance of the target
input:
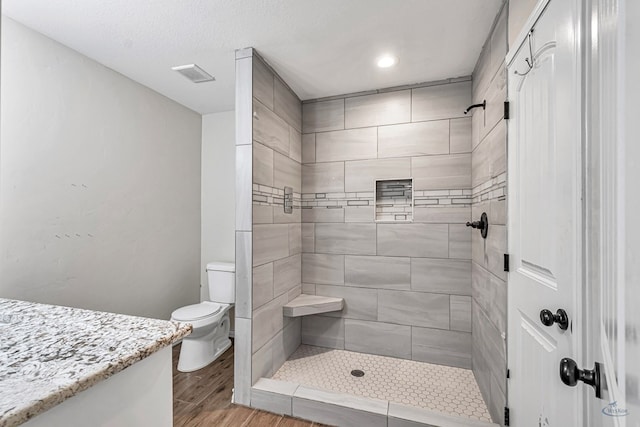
(203, 398)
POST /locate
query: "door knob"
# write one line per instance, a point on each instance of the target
(570, 374)
(548, 318)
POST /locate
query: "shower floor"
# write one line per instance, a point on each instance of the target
(444, 389)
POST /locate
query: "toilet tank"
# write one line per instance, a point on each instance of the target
(222, 282)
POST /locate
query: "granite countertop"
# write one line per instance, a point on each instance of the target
(49, 353)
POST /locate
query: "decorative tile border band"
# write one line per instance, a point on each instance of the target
(422, 198)
(492, 189)
(270, 196)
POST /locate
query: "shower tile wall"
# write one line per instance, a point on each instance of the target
(407, 286)
(277, 238)
(489, 161)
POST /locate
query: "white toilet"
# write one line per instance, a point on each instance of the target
(210, 319)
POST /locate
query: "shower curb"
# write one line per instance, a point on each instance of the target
(345, 410)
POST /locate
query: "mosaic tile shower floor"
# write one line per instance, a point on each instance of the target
(444, 389)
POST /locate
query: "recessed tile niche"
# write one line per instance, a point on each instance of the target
(394, 200)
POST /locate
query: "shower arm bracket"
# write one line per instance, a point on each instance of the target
(471, 107)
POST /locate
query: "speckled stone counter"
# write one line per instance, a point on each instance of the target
(51, 353)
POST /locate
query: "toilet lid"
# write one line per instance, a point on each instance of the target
(196, 311)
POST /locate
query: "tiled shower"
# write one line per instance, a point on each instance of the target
(383, 183)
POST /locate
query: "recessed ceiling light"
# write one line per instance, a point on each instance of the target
(194, 73)
(387, 61)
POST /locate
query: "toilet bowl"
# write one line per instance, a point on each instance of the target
(210, 335)
(210, 320)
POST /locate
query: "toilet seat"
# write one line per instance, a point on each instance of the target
(193, 312)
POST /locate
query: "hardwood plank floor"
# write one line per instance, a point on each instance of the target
(203, 398)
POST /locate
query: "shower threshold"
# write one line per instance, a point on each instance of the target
(318, 384)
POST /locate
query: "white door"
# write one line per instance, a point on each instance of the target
(545, 217)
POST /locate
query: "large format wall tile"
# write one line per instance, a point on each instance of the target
(267, 321)
(489, 342)
(323, 269)
(244, 185)
(295, 236)
(323, 178)
(284, 346)
(460, 130)
(440, 102)
(262, 83)
(262, 284)
(287, 172)
(414, 139)
(262, 165)
(360, 175)
(355, 239)
(413, 240)
(496, 247)
(323, 214)
(270, 242)
(359, 214)
(378, 272)
(295, 145)
(385, 339)
(460, 307)
(244, 285)
(443, 214)
(287, 105)
(447, 276)
(351, 144)
(414, 308)
(287, 273)
(262, 363)
(308, 238)
(242, 361)
(451, 348)
(323, 116)
(279, 217)
(496, 96)
(489, 158)
(262, 214)
(309, 148)
(441, 172)
(323, 331)
(460, 241)
(269, 129)
(378, 109)
(358, 303)
(490, 293)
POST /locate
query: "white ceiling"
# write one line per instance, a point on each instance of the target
(319, 47)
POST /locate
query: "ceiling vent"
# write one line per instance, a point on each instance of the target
(194, 73)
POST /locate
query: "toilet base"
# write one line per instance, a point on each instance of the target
(197, 353)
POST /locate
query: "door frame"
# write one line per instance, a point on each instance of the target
(606, 111)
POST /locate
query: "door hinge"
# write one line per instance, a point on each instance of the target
(506, 110)
(508, 373)
(506, 415)
(506, 262)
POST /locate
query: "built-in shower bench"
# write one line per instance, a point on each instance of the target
(305, 305)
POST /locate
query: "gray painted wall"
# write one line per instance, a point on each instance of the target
(489, 166)
(218, 197)
(100, 185)
(407, 286)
